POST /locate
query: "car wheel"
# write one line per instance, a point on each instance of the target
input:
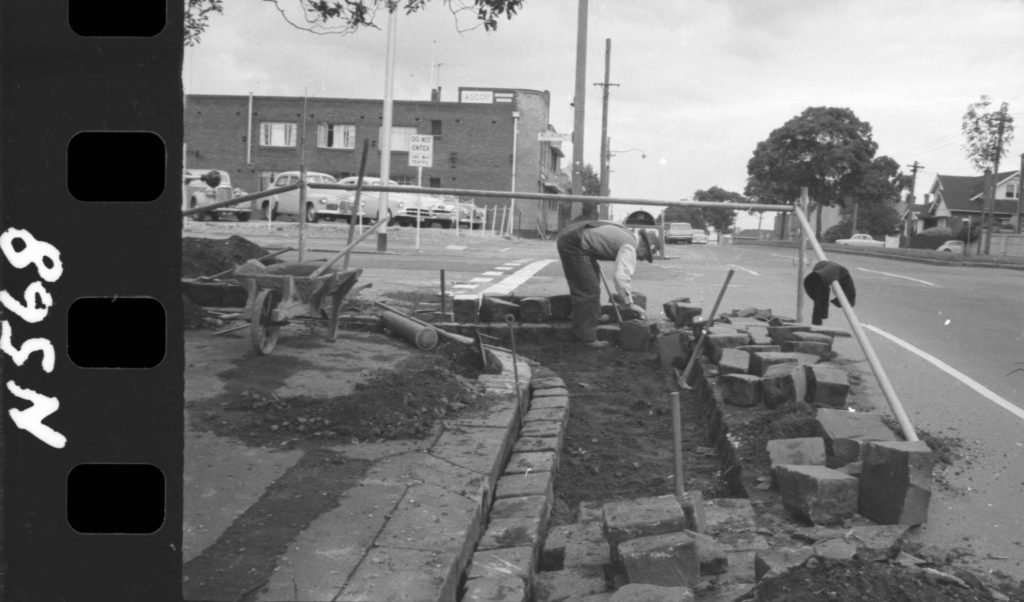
(243, 216)
(311, 216)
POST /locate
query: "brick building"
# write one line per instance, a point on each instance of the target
(488, 140)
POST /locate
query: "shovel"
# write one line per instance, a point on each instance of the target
(611, 298)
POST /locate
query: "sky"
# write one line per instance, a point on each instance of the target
(699, 82)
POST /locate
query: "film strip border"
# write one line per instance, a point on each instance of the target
(90, 244)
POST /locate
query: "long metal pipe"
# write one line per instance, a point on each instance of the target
(540, 196)
(862, 338)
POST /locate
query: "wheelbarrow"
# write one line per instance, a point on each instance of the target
(287, 290)
(277, 293)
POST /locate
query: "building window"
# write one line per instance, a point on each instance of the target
(330, 135)
(277, 134)
(435, 182)
(1011, 191)
(435, 128)
(399, 137)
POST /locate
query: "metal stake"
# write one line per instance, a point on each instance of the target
(677, 432)
(511, 320)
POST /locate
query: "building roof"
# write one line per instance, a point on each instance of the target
(965, 193)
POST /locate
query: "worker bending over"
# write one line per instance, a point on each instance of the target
(580, 246)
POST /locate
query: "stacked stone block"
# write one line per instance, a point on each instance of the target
(821, 495)
(508, 551)
(896, 482)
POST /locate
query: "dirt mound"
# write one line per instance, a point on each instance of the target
(403, 402)
(209, 256)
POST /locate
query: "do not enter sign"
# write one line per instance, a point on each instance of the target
(421, 151)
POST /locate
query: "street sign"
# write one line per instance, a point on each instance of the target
(421, 151)
(553, 137)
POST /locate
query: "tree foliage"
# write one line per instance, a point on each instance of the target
(591, 181)
(826, 149)
(980, 127)
(348, 16)
(701, 217)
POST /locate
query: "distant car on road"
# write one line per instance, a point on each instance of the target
(860, 240)
(681, 232)
(700, 237)
(952, 246)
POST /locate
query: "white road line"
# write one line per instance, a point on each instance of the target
(493, 274)
(960, 376)
(898, 276)
(517, 278)
(747, 270)
(479, 280)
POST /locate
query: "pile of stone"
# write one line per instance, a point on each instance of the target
(857, 465)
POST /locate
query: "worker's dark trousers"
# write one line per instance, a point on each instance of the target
(584, 285)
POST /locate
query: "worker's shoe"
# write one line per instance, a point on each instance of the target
(597, 344)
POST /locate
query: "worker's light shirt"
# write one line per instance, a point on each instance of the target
(613, 242)
(625, 265)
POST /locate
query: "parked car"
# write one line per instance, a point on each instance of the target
(952, 246)
(319, 203)
(700, 237)
(679, 232)
(860, 240)
(207, 186)
(470, 216)
(403, 207)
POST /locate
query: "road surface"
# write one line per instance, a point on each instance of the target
(949, 339)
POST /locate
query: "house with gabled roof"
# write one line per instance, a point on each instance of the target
(954, 200)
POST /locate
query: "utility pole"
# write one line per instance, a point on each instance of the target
(990, 191)
(385, 130)
(579, 106)
(605, 151)
(1020, 191)
(914, 168)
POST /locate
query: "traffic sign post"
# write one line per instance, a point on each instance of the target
(421, 154)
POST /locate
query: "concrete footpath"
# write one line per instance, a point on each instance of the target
(410, 522)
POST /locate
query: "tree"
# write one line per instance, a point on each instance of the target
(702, 217)
(348, 16)
(591, 181)
(987, 136)
(871, 201)
(826, 149)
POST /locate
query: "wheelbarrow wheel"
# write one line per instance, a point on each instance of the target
(264, 332)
